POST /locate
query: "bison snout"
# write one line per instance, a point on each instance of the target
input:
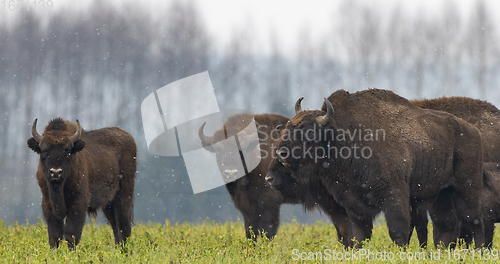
(231, 174)
(55, 173)
(269, 179)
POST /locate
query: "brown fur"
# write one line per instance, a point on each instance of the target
(258, 203)
(423, 153)
(490, 197)
(252, 196)
(485, 117)
(100, 175)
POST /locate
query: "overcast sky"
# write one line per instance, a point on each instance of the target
(288, 18)
(285, 19)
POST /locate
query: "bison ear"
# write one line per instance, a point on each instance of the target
(79, 145)
(33, 145)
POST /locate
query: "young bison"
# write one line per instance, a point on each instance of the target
(252, 196)
(80, 172)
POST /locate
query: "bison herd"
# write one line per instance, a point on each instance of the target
(434, 157)
(362, 154)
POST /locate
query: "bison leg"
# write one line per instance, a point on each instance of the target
(74, 226)
(109, 213)
(444, 221)
(123, 206)
(340, 220)
(468, 212)
(396, 209)
(489, 230)
(55, 226)
(123, 218)
(466, 235)
(468, 171)
(419, 222)
(123, 202)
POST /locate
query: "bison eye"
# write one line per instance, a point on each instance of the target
(282, 154)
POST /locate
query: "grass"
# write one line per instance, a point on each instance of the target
(211, 242)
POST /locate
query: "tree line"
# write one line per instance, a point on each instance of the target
(98, 65)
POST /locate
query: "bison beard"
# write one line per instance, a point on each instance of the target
(258, 203)
(80, 172)
(424, 152)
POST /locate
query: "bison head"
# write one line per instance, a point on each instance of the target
(225, 149)
(56, 147)
(303, 148)
(280, 178)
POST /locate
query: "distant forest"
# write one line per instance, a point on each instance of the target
(98, 65)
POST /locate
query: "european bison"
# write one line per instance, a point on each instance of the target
(419, 153)
(313, 194)
(258, 203)
(483, 115)
(486, 118)
(490, 198)
(83, 171)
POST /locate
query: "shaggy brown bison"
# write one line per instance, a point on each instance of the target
(448, 225)
(485, 117)
(258, 203)
(490, 197)
(313, 194)
(82, 171)
(417, 154)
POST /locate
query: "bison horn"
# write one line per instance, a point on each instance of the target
(77, 134)
(34, 133)
(323, 120)
(205, 141)
(298, 108)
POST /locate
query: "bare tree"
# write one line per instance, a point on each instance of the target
(421, 49)
(481, 43)
(305, 59)
(369, 43)
(449, 43)
(397, 41)
(348, 32)
(278, 79)
(183, 41)
(236, 71)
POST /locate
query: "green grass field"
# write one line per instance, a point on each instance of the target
(210, 242)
